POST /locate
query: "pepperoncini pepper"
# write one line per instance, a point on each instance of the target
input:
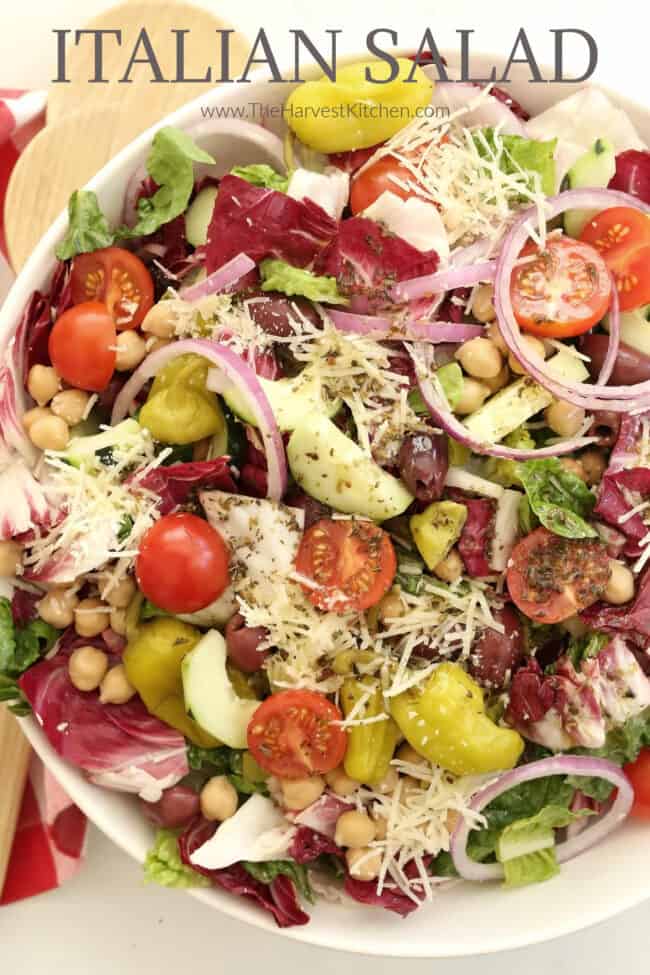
(446, 723)
(355, 112)
(371, 746)
(179, 408)
(152, 659)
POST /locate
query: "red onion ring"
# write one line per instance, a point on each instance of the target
(240, 375)
(557, 765)
(588, 396)
(383, 329)
(464, 276)
(614, 338)
(224, 277)
(445, 419)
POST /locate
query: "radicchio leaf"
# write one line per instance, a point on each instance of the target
(632, 173)
(175, 483)
(264, 223)
(307, 845)
(474, 542)
(619, 492)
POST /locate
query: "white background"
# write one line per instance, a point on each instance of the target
(103, 921)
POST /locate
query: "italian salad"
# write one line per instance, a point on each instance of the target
(325, 494)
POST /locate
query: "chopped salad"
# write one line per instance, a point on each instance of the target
(325, 496)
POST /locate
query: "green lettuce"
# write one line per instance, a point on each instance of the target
(583, 647)
(88, 228)
(279, 276)
(516, 153)
(163, 864)
(622, 745)
(532, 868)
(505, 471)
(450, 377)
(267, 871)
(560, 499)
(170, 165)
(238, 766)
(259, 174)
(22, 646)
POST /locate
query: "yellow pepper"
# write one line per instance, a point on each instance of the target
(371, 746)
(354, 112)
(436, 529)
(179, 408)
(446, 723)
(153, 658)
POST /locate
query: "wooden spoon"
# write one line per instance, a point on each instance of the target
(14, 762)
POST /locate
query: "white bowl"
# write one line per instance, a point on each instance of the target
(465, 919)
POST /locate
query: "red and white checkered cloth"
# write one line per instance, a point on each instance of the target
(49, 842)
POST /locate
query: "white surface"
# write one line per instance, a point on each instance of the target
(115, 925)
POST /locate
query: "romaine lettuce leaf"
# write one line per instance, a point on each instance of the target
(279, 276)
(88, 228)
(623, 745)
(259, 174)
(533, 868)
(163, 864)
(515, 153)
(22, 646)
(267, 871)
(560, 499)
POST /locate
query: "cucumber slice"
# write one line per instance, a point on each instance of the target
(594, 169)
(95, 450)
(290, 400)
(209, 695)
(635, 328)
(516, 403)
(335, 470)
(198, 215)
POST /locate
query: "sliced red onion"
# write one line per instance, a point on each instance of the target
(480, 250)
(410, 331)
(488, 112)
(614, 338)
(586, 395)
(224, 277)
(445, 419)
(464, 276)
(240, 375)
(557, 765)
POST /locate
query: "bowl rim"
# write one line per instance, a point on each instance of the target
(89, 797)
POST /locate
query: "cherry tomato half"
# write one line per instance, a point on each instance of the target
(117, 278)
(562, 290)
(388, 173)
(291, 734)
(82, 346)
(639, 775)
(352, 563)
(622, 236)
(551, 578)
(182, 565)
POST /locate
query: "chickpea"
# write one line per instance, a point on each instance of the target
(391, 606)
(573, 467)
(119, 595)
(354, 828)
(43, 383)
(620, 588)
(389, 782)
(117, 620)
(381, 826)
(472, 396)
(564, 418)
(534, 349)
(493, 332)
(451, 568)
(480, 358)
(87, 668)
(116, 688)
(90, 617)
(57, 607)
(364, 863)
(153, 344)
(159, 320)
(49, 433)
(130, 350)
(499, 381)
(31, 416)
(70, 405)
(219, 799)
(201, 449)
(406, 753)
(483, 303)
(11, 559)
(593, 464)
(300, 793)
(340, 782)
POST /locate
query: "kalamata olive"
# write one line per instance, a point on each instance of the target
(423, 464)
(176, 807)
(276, 314)
(242, 644)
(631, 365)
(605, 425)
(313, 509)
(495, 655)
